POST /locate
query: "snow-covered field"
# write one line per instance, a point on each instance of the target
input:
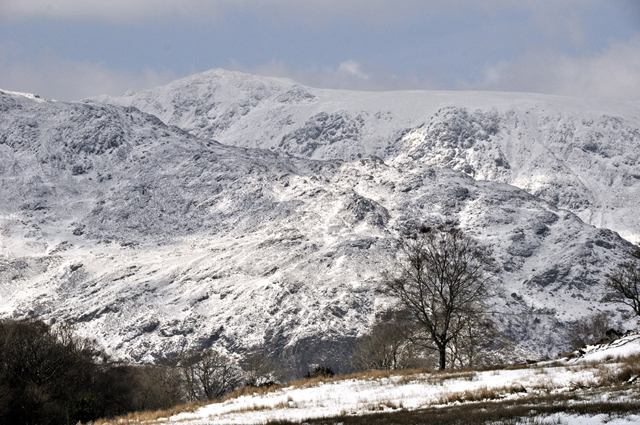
(378, 393)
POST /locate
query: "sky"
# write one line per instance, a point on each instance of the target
(73, 49)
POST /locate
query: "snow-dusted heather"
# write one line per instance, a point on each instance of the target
(154, 240)
(364, 396)
(578, 154)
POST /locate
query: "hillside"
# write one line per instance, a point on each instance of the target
(153, 239)
(577, 154)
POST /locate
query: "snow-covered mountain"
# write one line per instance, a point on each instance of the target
(578, 154)
(153, 238)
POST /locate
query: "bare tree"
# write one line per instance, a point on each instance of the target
(440, 279)
(48, 375)
(624, 283)
(474, 342)
(217, 373)
(209, 374)
(260, 370)
(387, 346)
(590, 330)
(187, 364)
(158, 386)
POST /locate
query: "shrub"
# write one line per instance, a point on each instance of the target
(319, 371)
(260, 371)
(49, 376)
(209, 374)
(590, 330)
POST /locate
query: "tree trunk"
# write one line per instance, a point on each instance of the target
(443, 356)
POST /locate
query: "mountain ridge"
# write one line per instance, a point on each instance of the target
(155, 240)
(571, 136)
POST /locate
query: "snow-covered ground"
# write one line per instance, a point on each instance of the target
(363, 396)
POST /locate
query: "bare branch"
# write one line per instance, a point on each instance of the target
(624, 283)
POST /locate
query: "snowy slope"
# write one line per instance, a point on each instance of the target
(578, 154)
(154, 240)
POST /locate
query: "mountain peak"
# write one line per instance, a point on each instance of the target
(29, 96)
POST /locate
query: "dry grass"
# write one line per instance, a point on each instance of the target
(481, 394)
(441, 377)
(256, 408)
(151, 416)
(251, 391)
(405, 376)
(626, 371)
(437, 377)
(301, 383)
(378, 374)
(371, 375)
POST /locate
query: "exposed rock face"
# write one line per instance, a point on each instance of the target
(154, 238)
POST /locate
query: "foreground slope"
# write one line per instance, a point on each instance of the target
(154, 240)
(578, 154)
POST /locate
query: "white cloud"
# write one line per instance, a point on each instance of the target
(612, 73)
(352, 68)
(71, 80)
